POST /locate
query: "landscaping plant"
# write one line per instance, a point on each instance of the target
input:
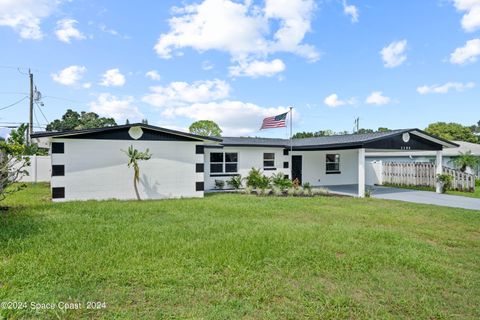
(219, 184)
(235, 182)
(134, 156)
(279, 181)
(446, 181)
(466, 160)
(257, 180)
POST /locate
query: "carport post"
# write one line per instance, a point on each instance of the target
(361, 173)
(439, 170)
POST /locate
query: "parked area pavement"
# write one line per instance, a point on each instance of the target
(415, 196)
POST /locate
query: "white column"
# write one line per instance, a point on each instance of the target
(439, 169)
(361, 173)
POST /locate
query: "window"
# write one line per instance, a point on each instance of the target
(58, 193)
(231, 162)
(199, 149)
(285, 165)
(58, 147)
(58, 170)
(223, 162)
(269, 160)
(333, 163)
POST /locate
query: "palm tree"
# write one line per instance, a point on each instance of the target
(465, 160)
(133, 157)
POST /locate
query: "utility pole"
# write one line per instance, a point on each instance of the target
(30, 123)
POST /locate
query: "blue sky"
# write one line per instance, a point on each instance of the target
(236, 62)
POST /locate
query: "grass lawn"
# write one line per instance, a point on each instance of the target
(232, 256)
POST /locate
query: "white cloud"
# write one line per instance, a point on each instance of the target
(153, 75)
(471, 18)
(69, 76)
(182, 93)
(334, 101)
(120, 109)
(66, 30)
(25, 16)
(351, 10)
(394, 55)
(257, 68)
(467, 53)
(207, 65)
(377, 98)
(236, 118)
(445, 88)
(241, 29)
(112, 78)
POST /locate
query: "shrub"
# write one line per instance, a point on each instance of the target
(276, 191)
(255, 179)
(248, 190)
(298, 192)
(235, 182)
(219, 184)
(296, 183)
(307, 188)
(291, 191)
(280, 181)
(445, 181)
(477, 182)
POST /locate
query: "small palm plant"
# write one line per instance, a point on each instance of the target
(134, 156)
(465, 160)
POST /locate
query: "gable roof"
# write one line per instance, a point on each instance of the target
(339, 141)
(90, 132)
(463, 147)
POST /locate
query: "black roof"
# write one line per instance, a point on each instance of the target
(126, 126)
(327, 142)
(346, 140)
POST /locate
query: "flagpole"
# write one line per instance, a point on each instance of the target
(291, 143)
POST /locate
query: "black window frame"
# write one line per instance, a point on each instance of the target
(228, 165)
(58, 193)
(332, 166)
(58, 147)
(58, 170)
(268, 163)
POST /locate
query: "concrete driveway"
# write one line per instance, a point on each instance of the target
(415, 196)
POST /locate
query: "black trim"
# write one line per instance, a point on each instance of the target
(73, 133)
(58, 193)
(58, 147)
(199, 167)
(225, 175)
(269, 169)
(58, 170)
(285, 165)
(199, 186)
(199, 149)
(333, 172)
(286, 152)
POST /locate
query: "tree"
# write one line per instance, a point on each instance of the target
(466, 160)
(383, 129)
(73, 120)
(361, 131)
(205, 128)
(452, 131)
(13, 164)
(18, 140)
(321, 133)
(134, 156)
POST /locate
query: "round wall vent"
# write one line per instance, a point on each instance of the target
(135, 132)
(406, 137)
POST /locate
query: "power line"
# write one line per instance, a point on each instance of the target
(39, 108)
(15, 103)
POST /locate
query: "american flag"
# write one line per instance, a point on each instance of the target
(275, 122)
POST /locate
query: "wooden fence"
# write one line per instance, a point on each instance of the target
(423, 174)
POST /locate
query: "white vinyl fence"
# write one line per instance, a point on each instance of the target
(40, 169)
(423, 174)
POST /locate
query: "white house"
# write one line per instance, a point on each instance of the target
(90, 164)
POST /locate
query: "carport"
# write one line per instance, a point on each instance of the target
(314, 160)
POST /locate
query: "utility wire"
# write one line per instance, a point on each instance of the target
(15, 103)
(39, 108)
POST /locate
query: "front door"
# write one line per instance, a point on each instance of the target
(297, 168)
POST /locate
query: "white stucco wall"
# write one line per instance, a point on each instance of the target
(248, 158)
(314, 167)
(97, 169)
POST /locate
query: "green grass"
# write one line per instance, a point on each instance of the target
(232, 256)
